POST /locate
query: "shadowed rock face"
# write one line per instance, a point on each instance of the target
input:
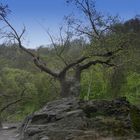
(73, 119)
(0, 125)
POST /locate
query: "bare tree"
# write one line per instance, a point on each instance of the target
(70, 85)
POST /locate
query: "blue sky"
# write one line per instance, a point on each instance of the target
(50, 13)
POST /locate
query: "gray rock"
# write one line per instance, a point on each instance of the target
(73, 119)
(45, 138)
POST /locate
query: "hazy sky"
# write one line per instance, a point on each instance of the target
(50, 13)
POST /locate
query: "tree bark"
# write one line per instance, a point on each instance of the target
(70, 87)
(0, 124)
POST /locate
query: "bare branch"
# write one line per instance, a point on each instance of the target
(22, 33)
(120, 47)
(17, 37)
(9, 104)
(109, 53)
(4, 95)
(92, 15)
(84, 32)
(72, 65)
(37, 61)
(61, 38)
(87, 65)
(59, 54)
(43, 67)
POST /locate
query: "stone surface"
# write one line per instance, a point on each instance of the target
(9, 132)
(74, 119)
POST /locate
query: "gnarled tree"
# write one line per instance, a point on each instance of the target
(98, 30)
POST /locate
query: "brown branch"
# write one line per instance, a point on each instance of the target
(84, 32)
(9, 104)
(14, 102)
(87, 65)
(87, 11)
(17, 36)
(108, 54)
(37, 62)
(90, 18)
(4, 95)
(59, 54)
(112, 53)
(80, 60)
(90, 63)
(42, 67)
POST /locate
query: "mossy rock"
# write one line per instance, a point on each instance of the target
(135, 118)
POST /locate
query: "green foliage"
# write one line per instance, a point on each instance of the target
(116, 80)
(38, 89)
(132, 88)
(94, 83)
(47, 88)
(135, 117)
(12, 84)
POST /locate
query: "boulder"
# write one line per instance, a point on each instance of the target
(75, 119)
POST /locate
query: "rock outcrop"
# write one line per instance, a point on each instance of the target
(74, 119)
(0, 125)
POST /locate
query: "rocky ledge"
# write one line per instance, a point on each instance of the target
(74, 119)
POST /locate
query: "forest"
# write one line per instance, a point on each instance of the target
(96, 60)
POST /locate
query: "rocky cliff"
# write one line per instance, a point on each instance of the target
(74, 119)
